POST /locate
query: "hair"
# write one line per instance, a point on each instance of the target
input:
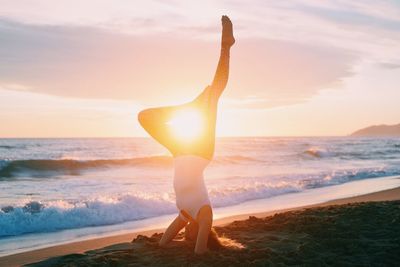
(213, 242)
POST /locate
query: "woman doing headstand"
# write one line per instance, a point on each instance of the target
(192, 156)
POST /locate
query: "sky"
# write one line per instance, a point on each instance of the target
(85, 68)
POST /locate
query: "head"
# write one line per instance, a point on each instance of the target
(191, 231)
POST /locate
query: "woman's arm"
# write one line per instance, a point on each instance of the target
(172, 230)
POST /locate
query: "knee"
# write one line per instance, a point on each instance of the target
(142, 117)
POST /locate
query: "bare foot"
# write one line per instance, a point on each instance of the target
(227, 32)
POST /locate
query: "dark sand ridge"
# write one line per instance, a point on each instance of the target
(365, 234)
(261, 237)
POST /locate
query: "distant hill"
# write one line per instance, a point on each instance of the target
(379, 130)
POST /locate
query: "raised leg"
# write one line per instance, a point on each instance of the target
(208, 99)
(172, 230)
(222, 73)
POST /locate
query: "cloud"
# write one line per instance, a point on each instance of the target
(369, 28)
(360, 27)
(390, 66)
(285, 73)
(91, 63)
(86, 62)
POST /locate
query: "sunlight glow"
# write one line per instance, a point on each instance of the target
(187, 124)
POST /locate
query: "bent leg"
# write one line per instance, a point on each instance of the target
(155, 122)
(172, 230)
(204, 219)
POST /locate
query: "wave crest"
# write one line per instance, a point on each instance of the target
(39, 167)
(48, 167)
(317, 152)
(235, 159)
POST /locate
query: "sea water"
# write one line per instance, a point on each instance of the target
(49, 186)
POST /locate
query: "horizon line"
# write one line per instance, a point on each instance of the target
(109, 137)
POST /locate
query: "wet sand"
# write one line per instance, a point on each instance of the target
(341, 232)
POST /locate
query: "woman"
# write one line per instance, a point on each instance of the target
(192, 155)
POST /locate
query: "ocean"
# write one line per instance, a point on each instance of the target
(53, 185)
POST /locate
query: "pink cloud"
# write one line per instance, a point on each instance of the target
(88, 63)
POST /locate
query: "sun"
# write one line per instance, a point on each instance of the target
(187, 124)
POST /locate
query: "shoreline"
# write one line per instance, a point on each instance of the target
(280, 202)
(96, 243)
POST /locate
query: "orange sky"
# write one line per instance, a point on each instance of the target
(298, 67)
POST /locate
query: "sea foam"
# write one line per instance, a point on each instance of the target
(36, 217)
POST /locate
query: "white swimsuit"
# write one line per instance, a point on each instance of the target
(190, 190)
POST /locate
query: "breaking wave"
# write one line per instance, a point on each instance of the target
(47, 167)
(36, 217)
(41, 167)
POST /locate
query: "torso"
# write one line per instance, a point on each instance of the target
(191, 192)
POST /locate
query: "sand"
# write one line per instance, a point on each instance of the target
(335, 232)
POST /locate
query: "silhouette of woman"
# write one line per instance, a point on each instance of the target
(192, 156)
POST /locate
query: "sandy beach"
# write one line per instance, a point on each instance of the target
(280, 236)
